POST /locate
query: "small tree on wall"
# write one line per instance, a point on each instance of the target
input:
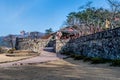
(48, 31)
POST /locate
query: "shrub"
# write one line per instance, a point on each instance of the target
(78, 57)
(97, 60)
(11, 50)
(72, 55)
(115, 63)
(87, 59)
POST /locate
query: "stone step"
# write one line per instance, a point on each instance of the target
(49, 49)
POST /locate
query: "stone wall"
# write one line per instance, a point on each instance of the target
(104, 44)
(59, 44)
(32, 44)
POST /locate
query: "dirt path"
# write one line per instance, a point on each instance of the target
(56, 69)
(67, 69)
(43, 57)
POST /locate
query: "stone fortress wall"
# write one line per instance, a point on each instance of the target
(31, 44)
(104, 44)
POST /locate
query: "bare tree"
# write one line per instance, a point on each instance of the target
(115, 7)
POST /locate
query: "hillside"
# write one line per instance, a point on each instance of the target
(3, 43)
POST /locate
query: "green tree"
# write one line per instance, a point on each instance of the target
(71, 18)
(48, 31)
(95, 17)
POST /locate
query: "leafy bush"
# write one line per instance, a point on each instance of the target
(115, 63)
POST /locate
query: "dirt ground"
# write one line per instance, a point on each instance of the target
(4, 58)
(66, 69)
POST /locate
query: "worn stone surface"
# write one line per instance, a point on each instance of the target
(32, 44)
(104, 44)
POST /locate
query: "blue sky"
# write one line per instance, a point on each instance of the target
(37, 15)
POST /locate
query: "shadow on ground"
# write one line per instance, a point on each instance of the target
(61, 70)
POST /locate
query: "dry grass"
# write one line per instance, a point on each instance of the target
(20, 55)
(4, 58)
(67, 69)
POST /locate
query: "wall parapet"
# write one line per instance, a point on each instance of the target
(100, 35)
